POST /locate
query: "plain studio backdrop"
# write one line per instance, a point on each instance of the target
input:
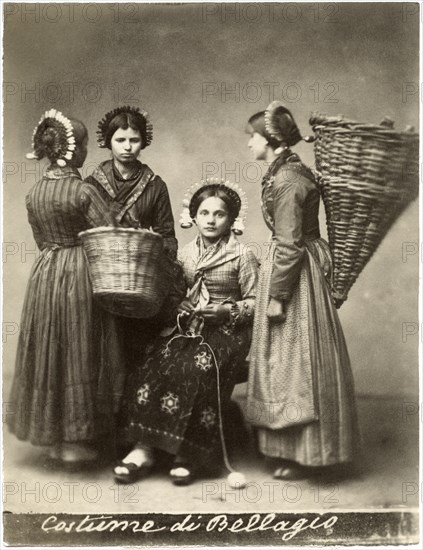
(201, 70)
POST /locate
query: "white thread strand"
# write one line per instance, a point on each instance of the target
(219, 406)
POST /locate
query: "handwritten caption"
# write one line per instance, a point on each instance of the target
(219, 523)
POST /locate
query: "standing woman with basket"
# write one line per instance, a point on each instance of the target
(136, 198)
(59, 368)
(300, 387)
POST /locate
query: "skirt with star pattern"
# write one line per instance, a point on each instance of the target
(172, 398)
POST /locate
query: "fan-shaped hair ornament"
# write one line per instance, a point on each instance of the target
(233, 190)
(63, 145)
(281, 126)
(104, 123)
(270, 121)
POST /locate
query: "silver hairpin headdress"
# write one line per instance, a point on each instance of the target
(233, 190)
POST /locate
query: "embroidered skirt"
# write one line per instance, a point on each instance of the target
(300, 388)
(172, 398)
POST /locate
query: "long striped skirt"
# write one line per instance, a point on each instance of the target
(66, 384)
(300, 387)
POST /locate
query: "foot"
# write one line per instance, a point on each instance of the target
(181, 473)
(55, 452)
(135, 465)
(291, 470)
(77, 452)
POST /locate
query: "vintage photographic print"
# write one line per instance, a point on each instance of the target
(211, 274)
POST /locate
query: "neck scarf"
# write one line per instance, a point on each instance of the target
(124, 188)
(225, 250)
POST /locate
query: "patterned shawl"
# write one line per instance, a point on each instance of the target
(225, 250)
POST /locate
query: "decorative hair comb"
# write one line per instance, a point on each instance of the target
(64, 146)
(233, 190)
(104, 123)
(276, 117)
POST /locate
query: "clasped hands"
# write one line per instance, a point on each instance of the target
(213, 314)
(218, 314)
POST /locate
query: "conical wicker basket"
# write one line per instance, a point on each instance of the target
(367, 174)
(125, 269)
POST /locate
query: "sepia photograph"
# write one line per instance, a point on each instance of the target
(211, 274)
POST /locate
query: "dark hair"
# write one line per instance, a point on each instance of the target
(256, 124)
(282, 121)
(79, 130)
(124, 121)
(50, 139)
(228, 196)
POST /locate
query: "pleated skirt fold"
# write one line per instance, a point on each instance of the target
(67, 380)
(301, 389)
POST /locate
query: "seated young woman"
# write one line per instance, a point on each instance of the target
(186, 378)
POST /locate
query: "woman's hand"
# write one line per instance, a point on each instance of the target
(216, 314)
(185, 307)
(275, 311)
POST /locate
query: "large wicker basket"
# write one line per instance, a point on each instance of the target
(125, 269)
(367, 175)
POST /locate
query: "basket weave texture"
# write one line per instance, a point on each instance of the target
(367, 175)
(125, 269)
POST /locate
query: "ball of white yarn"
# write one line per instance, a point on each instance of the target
(236, 480)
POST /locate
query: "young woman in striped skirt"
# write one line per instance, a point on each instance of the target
(60, 369)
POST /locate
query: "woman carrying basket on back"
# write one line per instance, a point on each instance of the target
(136, 198)
(300, 388)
